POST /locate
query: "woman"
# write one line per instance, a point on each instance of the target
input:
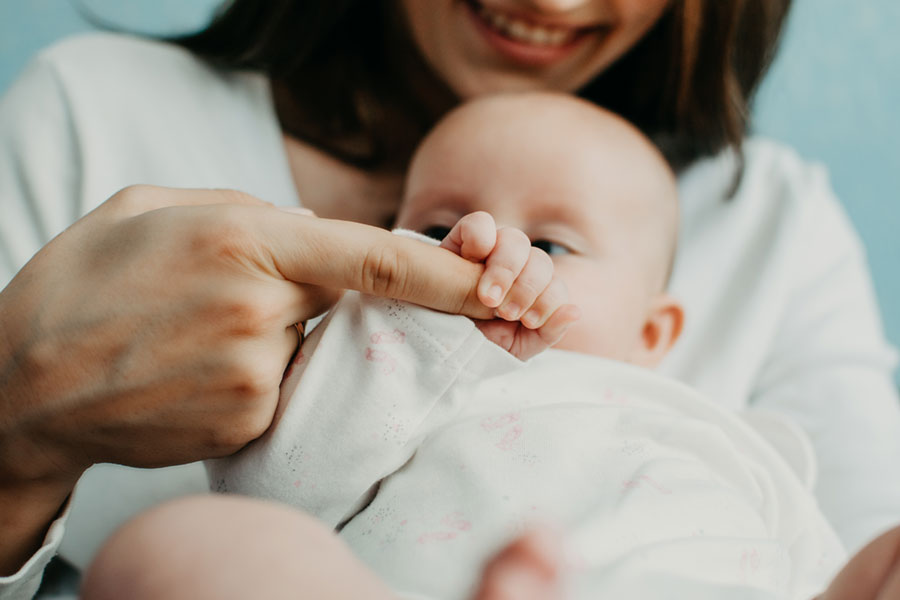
(151, 332)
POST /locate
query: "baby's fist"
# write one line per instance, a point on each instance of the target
(518, 282)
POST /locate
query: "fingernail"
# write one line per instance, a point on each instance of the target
(531, 319)
(494, 293)
(511, 311)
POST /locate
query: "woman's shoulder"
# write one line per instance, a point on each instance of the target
(768, 171)
(105, 75)
(778, 171)
(114, 110)
(107, 58)
(107, 48)
(777, 189)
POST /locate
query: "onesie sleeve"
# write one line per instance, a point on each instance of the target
(371, 381)
(829, 369)
(24, 583)
(39, 158)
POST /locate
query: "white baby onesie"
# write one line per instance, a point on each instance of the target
(428, 448)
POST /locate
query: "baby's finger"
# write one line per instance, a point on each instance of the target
(503, 266)
(473, 237)
(556, 326)
(554, 295)
(534, 279)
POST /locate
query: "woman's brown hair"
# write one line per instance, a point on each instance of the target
(345, 73)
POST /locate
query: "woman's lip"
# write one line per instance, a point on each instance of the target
(523, 52)
(534, 19)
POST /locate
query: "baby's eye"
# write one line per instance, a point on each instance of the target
(438, 232)
(551, 248)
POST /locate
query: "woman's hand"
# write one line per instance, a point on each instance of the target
(155, 330)
(529, 303)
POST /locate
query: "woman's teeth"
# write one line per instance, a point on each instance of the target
(524, 32)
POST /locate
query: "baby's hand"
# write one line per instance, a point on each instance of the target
(518, 282)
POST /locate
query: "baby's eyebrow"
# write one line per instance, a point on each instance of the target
(440, 197)
(557, 213)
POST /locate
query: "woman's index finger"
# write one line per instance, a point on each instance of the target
(347, 255)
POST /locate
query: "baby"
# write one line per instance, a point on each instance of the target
(427, 446)
(427, 443)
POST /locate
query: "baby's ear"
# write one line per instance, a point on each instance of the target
(665, 318)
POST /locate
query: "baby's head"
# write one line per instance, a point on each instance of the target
(585, 186)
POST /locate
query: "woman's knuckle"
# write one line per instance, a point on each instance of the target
(244, 317)
(230, 196)
(131, 192)
(226, 236)
(38, 358)
(384, 272)
(253, 379)
(130, 199)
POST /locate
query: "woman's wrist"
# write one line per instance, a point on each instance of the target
(27, 509)
(30, 496)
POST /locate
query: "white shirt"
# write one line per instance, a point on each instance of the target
(780, 311)
(430, 447)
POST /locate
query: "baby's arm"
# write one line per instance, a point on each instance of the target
(368, 383)
(530, 302)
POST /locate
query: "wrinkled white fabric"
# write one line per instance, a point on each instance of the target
(428, 447)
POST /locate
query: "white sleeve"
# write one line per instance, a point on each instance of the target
(39, 181)
(24, 583)
(830, 370)
(368, 384)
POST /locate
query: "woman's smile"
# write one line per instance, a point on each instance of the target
(488, 46)
(526, 38)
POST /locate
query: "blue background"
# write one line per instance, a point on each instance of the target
(833, 93)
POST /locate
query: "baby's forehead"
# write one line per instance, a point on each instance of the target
(546, 136)
(516, 128)
(550, 149)
(526, 125)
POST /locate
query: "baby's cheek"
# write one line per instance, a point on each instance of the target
(612, 309)
(604, 330)
(587, 337)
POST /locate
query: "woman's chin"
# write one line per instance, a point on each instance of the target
(484, 82)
